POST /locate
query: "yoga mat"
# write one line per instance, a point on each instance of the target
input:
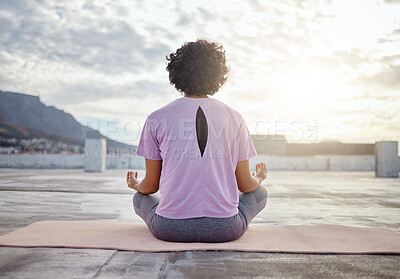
(258, 238)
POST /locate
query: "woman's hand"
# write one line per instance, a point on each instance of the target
(131, 179)
(261, 171)
(245, 180)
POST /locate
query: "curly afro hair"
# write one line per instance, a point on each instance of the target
(198, 68)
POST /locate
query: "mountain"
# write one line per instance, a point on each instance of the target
(20, 111)
(10, 130)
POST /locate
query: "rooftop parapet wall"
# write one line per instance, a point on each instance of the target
(277, 145)
(311, 163)
(64, 161)
(317, 163)
(42, 161)
(387, 159)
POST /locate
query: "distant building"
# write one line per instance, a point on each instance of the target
(270, 144)
(277, 145)
(329, 148)
(8, 150)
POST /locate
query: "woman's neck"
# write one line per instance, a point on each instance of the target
(195, 96)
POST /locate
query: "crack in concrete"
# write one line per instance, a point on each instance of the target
(101, 267)
(163, 269)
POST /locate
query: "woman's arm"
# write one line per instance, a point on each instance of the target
(247, 182)
(150, 182)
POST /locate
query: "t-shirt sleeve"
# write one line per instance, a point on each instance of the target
(148, 146)
(246, 146)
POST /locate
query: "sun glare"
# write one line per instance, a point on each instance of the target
(305, 89)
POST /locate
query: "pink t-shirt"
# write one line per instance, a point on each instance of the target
(197, 177)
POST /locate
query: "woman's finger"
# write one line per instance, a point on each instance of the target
(136, 174)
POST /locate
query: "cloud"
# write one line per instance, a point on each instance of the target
(75, 54)
(96, 57)
(97, 10)
(392, 1)
(183, 20)
(106, 46)
(92, 93)
(387, 78)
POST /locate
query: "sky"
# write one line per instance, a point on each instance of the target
(312, 70)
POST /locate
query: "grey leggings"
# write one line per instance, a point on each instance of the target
(202, 229)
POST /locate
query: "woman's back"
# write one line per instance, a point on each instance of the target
(197, 152)
(200, 141)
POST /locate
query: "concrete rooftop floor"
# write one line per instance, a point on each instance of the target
(295, 198)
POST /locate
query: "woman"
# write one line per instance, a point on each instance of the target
(197, 152)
